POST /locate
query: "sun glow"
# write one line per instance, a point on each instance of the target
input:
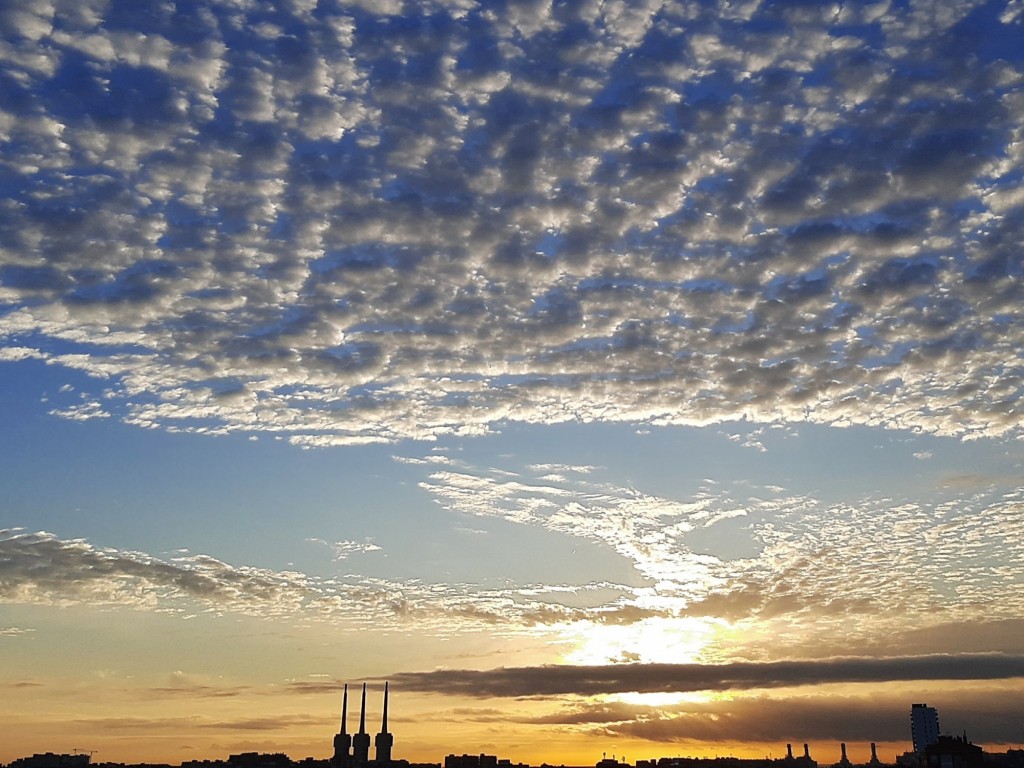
(651, 641)
(662, 698)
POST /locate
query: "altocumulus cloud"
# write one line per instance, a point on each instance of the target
(970, 578)
(40, 568)
(348, 224)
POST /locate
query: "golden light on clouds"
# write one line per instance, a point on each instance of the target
(662, 699)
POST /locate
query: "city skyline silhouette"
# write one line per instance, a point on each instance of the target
(930, 749)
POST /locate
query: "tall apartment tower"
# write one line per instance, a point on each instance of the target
(384, 741)
(361, 741)
(924, 726)
(343, 742)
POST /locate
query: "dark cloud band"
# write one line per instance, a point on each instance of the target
(556, 680)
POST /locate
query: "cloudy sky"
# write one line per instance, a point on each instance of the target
(637, 377)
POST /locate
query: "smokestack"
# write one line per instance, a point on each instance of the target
(384, 740)
(362, 712)
(789, 751)
(361, 741)
(342, 741)
(807, 752)
(344, 709)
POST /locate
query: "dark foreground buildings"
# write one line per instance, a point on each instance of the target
(50, 760)
(931, 750)
(924, 726)
(354, 751)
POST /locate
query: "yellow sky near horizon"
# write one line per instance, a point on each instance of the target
(129, 724)
(210, 687)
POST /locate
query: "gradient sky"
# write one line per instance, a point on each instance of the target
(629, 377)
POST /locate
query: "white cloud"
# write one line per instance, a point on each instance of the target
(787, 566)
(341, 232)
(15, 631)
(40, 568)
(343, 549)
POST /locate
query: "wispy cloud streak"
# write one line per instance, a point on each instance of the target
(810, 570)
(40, 568)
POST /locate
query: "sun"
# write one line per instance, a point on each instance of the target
(658, 640)
(661, 698)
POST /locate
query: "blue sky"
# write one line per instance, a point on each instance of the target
(450, 337)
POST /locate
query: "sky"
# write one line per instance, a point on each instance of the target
(635, 378)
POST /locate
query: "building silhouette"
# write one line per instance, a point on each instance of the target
(924, 726)
(343, 741)
(52, 760)
(953, 752)
(874, 756)
(352, 751)
(384, 740)
(471, 761)
(804, 761)
(789, 761)
(361, 741)
(259, 760)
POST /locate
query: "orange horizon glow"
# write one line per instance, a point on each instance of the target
(210, 728)
(553, 749)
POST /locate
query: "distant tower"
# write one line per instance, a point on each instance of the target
(789, 751)
(384, 740)
(844, 760)
(807, 752)
(361, 741)
(924, 726)
(342, 742)
(874, 755)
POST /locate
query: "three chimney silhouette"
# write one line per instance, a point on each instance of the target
(359, 743)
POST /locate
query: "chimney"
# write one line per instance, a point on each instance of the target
(384, 740)
(342, 741)
(361, 741)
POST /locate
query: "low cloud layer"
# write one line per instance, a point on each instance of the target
(683, 678)
(188, 724)
(807, 718)
(350, 222)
